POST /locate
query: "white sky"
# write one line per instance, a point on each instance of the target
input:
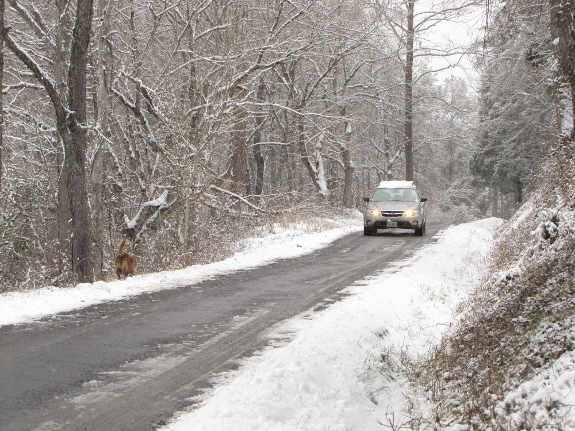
(461, 32)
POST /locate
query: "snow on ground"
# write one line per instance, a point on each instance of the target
(336, 371)
(282, 243)
(332, 370)
(544, 402)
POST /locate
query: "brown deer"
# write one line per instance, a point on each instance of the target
(124, 262)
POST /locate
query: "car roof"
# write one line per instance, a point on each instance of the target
(396, 185)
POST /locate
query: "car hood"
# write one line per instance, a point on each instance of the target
(393, 205)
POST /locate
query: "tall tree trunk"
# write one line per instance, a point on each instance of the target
(75, 143)
(62, 38)
(71, 125)
(573, 104)
(305, 158)
(285, 163)
(1, 86)
(104, 68)
(408, 84)
(348, 178)
(494, 201)
(64, 213)
(191, 213)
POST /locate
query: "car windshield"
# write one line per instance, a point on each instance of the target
(398, 195)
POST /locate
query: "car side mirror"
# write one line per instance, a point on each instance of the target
(366, 199)
(423, 199)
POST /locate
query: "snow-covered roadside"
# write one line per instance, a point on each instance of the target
(548, 398)
(335, 372)
(282, 243)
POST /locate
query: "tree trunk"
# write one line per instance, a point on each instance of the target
(518, 192)
(191, 214)
(259, 158)
(75, 143)
(304, 156)
(347, 163)
(562, 19)
(408, 84)
(348, 179)
(239, 174)
(494, 202)
(573, 104)
(1, 87)
(62, 37)
(104, 67)
(64, 213)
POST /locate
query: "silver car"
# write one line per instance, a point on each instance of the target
(395, 204)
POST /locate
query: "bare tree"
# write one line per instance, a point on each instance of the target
(71, 125)
(408, 89)
(75, 143)
(409, 26)
(104, 67)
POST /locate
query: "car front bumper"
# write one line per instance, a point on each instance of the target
(374, 222)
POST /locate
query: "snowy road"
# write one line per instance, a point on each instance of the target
(129, 365)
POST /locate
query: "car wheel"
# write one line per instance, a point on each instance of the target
(420, 231)
(367, 231)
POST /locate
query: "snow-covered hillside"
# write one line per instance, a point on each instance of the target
(509, 364)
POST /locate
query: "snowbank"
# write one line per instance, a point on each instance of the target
(336, 373)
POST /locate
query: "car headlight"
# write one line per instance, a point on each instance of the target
(375, 212)
(410, 213)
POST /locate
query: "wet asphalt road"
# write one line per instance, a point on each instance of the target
(129, 365)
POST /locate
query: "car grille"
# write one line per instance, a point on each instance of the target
(392, 213)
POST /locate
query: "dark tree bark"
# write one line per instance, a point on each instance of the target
(64, 216)
(408, 84)
(348, 167)
(304, 156)
(349, 170)
(59, 56)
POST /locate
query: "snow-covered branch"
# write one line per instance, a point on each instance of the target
(239, 198)
(147, 215)
(39, 74)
